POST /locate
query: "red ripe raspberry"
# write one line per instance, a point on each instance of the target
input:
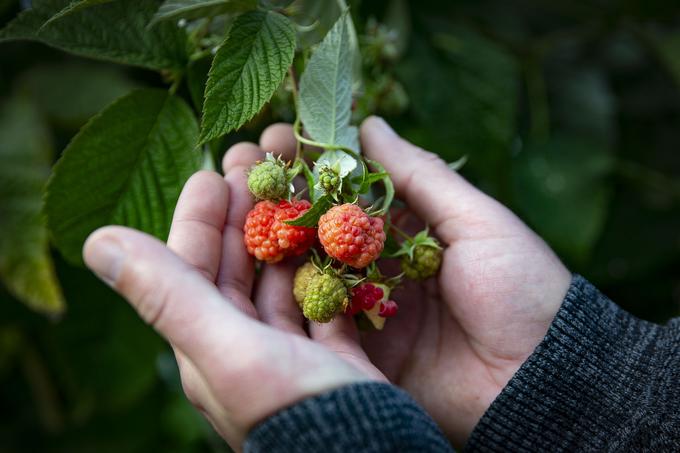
(348, 234)
(269, 239)
(388, 309)
(364, 297)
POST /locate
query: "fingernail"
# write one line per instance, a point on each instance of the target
(105, 257)
(382, 125)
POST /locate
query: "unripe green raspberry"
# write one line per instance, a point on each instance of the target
(326, 296)
(268, 181)
(425, 263)
(329, 180)
(303, 276)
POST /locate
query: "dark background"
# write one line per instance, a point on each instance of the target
(568, 112)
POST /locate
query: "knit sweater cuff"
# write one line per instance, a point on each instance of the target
(582, 382)
(366, 417)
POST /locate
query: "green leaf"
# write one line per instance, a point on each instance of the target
(194, 9)
(309, 177)
(311, 217)
(26, 268)
(73, 7)
(326, 89)
(70, 93)
(115, 31)
(560, 189)
(126, 166)
(247, 69)
(389, 188)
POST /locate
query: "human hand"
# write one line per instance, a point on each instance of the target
(457, 342)
(240, 344)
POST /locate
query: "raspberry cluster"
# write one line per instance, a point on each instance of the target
(344, 278)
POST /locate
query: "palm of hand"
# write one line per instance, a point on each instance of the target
(458, 341)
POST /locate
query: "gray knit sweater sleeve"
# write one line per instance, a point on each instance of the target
(368, 417)
(601, 380)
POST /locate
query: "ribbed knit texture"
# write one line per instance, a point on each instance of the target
(368, 417)
(602, 380)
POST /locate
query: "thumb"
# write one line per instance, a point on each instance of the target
(166, 292)
(432, 190)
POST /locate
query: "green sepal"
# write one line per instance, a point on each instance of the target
(311, 217)
(423, 238)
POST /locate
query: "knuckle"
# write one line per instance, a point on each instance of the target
(430, 158)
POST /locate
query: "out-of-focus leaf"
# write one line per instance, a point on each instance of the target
(103, 354)
(398, 20)
(473, 111)
(638, 240)
(126, 166)
(73, 7)
(326, 89)
(582, 104)
(193, 9)
(114, 31)
(667, 47)
(560, 189)
(246, 71)
(197, 76)
(26, 267)
(70, 93)
(315, 17)
(183, 421)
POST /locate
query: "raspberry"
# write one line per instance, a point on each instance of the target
(424, 264)
(268, 180)
(364, 297)
(388, 309)
(303, 276)
(350, 235)
(326, 296)
(267, 236)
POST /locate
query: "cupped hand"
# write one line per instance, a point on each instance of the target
(457, 342)
(239, 340)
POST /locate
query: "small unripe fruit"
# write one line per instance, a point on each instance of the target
(329, 180)
(326, 296)
(268, 181)
(425, 263)
(303, 276)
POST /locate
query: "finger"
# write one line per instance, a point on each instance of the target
(237, 269)
(342, 337)
(274, 298)
(435, 192)
(167, 293)
(243, 154)
(279, 139)
(196, 231)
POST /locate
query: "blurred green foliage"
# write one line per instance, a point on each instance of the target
(568, 112)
